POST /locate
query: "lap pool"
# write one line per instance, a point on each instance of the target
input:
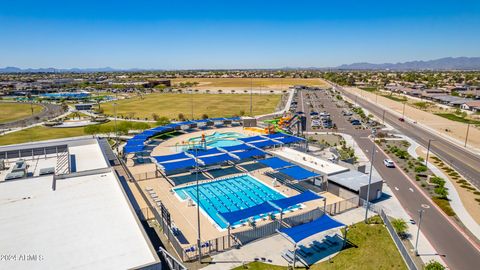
(227, 195)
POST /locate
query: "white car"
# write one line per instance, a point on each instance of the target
(389, 163)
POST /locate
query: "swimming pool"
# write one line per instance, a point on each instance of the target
(217, 139)
(227, 195)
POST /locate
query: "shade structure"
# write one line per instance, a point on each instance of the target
(275, 135)
(264, 144)
(298, 173)
(216, 159)
(253, 139)
(169, 167)
(202, 152)
(244, 214)
(133, 148)
(289, 139)
(285, 203)
(249, 153)
(300, 232)
(171, 157)
(238, 147)
(275, 163)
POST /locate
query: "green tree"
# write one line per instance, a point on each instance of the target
(400, 226)
(204, 116)
(162, 121)
(434, 265)
(181, 117)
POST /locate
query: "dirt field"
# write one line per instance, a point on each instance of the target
(214, 105)
(457, 131)
(246, 83)
(14, 111)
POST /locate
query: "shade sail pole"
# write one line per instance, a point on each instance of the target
(294, 255)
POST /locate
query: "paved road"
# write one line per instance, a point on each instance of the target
(459, 253)
(465, 162)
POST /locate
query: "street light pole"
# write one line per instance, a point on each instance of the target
(251, 97)
(420, 212)
(116, 132)
(466, 137)
(374, 132)
(199, 244)
(191, 101)
(383, 117)
(428, 151)
(403, 114)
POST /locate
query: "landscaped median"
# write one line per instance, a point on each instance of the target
(416, 169)
(370, 247)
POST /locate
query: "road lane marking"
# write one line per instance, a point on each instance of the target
(397, 189)
(411, 189)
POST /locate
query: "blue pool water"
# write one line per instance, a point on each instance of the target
(229, 195)
(217, 139)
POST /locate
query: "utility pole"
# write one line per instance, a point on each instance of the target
(191, 102)
(374, 132)
(466, 137)
(199, 244)
(428, 151)
(383, 117)
(420, 212)
(116, 132)
(251, 97)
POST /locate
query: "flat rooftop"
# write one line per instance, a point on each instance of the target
(353, 180)
(319, 165)
(86, 223)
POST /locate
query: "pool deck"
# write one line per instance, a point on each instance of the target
(185, 217)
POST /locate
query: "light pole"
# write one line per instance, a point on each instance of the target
(466, 137)
(199, 244)
(428, 151)
(383, 117)
(420, 212)
(251, 97)
(191, 101)
(116, 132)
(374, 132)
(403, 113)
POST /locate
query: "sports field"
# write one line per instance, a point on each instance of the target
(14, 111)
(255, 83)
(41, 133)
(214, 105)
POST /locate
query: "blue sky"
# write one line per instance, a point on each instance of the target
(233, 34)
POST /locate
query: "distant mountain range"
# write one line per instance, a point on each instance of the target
(447, 63)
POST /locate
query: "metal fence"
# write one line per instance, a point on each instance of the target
(398, 242)
(342, 206)
(303, 218)
(258, 232)
(146, 175)
(173, 263)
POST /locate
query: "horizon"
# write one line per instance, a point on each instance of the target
(247, 35)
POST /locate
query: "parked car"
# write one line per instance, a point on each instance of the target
(401, 119)
(389, 163)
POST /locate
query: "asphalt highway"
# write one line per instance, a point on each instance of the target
(457, 250)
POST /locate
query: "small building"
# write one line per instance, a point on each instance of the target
(473, 106)
(356, 182)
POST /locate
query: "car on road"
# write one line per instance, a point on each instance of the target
(401, 119)
(389, 163)
(355, 122)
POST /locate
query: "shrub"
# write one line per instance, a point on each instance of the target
(441, 191)
(421, 168)
(434, 265)
(400, 226)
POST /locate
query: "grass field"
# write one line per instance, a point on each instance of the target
(214, 105)
(256, 83)
(44, 133)
(453, 117)
(374, 249)
(14, 111)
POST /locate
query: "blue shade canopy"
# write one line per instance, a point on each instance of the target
(300, 232)
(201, 152)
(217, 159)
(236, 147)
(171, 157)
(275, 163)
(249, 153)
(169, 167)
(285, 203)
(236, 216)
(263, 144)
(298, 173)
(133, 148)
(289, 139)
(253, 139)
